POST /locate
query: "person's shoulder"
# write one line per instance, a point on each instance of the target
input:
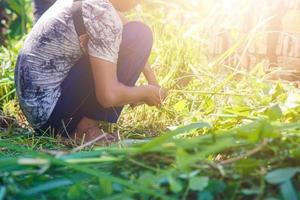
(99, 7)
(101, 10)
(97, 3)
(104, 28)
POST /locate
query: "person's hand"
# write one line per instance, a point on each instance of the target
(155, 95)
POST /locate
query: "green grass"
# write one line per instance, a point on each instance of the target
(223, 133)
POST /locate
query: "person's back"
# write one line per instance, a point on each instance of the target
(52, 48)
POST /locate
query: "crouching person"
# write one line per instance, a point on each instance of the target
(63, 90)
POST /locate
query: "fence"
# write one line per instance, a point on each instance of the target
(276, 24)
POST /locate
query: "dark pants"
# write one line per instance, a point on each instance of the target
(78, 97)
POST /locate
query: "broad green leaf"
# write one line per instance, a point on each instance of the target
(2, 192)
(148, 179)
(118, 197)
(256, 130)
(106, 186)
(251, 132)
(181, 156)
(277, 91)
(199, 183)
(175, 185)
(205, 195)
(274, 112)
(252, 191)
(117, 187)
(216, 186)
(289, 127)
(247, 166)
(288, 191)
(48, 186)
(180, 106)
(190, 174)
(281, 175)
(268, 131)
(75, 192)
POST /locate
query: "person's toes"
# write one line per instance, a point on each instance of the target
(103, 137)
(95, 133)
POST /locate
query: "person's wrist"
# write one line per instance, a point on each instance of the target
(146, 90)
(154, 83)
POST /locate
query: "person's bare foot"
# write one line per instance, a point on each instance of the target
(88, 130)
(86, 123)
(95, 134)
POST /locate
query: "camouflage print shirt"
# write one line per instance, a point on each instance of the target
(52, 48)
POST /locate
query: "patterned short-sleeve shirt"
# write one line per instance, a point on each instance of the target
(52, 49)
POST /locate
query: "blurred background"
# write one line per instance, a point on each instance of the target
(266, 31)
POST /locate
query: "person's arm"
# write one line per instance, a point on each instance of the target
(111, 93)
(103, 52)
(150, 76)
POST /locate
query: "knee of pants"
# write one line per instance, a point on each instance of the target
(137, 37)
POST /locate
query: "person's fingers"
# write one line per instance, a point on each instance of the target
(162, 94)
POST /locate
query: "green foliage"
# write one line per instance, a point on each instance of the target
(19, 18)
(138, 172)
(7, 63)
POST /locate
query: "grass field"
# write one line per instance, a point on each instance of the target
(223, 133)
